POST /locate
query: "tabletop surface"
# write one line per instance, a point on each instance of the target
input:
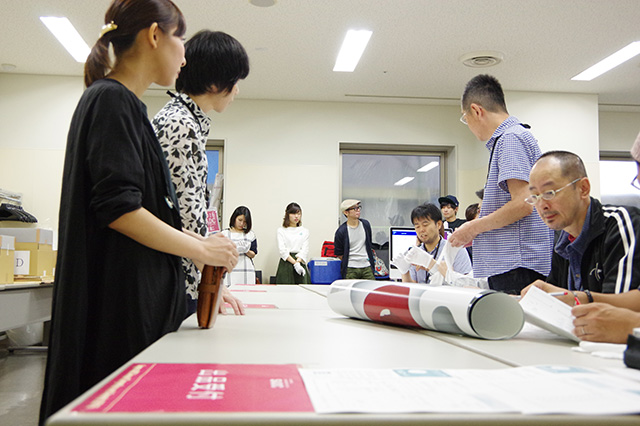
(302, 330)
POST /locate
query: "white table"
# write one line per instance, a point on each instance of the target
(24, 303)
(319, 338)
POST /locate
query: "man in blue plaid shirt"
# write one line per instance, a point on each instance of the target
(511, 245)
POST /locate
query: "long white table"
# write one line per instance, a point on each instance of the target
(313, 336)
(24, 303)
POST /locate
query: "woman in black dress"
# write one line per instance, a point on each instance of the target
(119, 284)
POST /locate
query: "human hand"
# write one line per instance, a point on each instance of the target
(299, 269)
(417, 256)
(550, 288)
(243, 246)
(218, 250)
(401, 263)
(463, 235)
(236, 304)
(601, 322)
(442, 268)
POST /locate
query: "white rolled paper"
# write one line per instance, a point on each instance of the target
(475, 312)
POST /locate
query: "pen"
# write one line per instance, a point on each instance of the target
(557, 293)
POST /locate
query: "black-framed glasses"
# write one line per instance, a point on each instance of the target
(635, 183)
(358, 207)
(547, 195)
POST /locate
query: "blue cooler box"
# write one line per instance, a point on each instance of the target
(324, 270)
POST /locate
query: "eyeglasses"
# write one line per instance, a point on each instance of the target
(463, 119)
(547, 195)
(358, 207)
(635, 183)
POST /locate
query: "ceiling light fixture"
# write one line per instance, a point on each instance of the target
(68, 36)
(428, 166)
(610, 62)
(404, 181)
(352, 48)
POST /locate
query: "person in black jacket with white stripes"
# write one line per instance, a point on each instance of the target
(609, 261)
(595, 249)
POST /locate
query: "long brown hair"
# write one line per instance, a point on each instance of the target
(130, 17)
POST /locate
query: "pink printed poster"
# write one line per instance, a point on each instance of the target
(212, 221)
(201, 388)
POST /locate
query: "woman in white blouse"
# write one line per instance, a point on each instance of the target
(293, 245)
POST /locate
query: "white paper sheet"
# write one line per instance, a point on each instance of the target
(526, 390)
(547, 312)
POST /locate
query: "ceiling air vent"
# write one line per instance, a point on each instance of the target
(483, 59)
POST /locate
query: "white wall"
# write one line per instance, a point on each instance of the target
(618, 130)
(280, 151)
(562, 122)
(35, 112)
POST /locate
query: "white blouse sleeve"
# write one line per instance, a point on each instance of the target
(282, 244)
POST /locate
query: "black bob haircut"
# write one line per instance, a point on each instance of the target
(215, 59)
(241, 211)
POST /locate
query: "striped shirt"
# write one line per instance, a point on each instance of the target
(528, 242)
(603, 258)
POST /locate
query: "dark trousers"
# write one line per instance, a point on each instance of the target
(513, 281)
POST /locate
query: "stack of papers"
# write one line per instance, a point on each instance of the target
(547, 312)
(525, 390)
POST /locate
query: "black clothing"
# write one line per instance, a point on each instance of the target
(513, 281)
(455, 224)
(113, 297)
(611, 260)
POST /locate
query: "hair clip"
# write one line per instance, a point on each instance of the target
(108, 27)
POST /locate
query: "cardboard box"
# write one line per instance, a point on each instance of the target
(38, 242)
(7, 258)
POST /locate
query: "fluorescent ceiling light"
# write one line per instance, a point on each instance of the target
(609, 62)
(68, 36)
(352, 48)
(404, 181)
(427, 167)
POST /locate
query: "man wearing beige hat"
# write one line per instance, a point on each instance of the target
(352, 242)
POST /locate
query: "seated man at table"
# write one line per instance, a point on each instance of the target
(427, 220)
(595, 248)
(603, 317)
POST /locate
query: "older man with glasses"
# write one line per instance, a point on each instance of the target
(601, 317)
(595, 249)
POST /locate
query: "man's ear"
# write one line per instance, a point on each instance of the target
(585, 188)
(476, 110)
